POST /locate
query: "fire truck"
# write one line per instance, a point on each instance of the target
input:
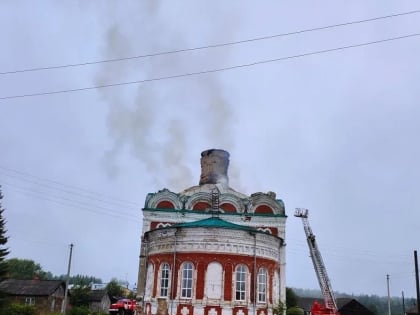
(330, 304)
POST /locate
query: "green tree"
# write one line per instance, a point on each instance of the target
(291, 297)
(81, 280)
(4, 251)
(114, 289)
(26, 269)
(79, 296)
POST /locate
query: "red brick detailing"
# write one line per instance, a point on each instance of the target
(269, 230)
(148, 309)
(201, 269)
(227, 290)
(155, 277)
(264, 209)
(263, 310)
(236, 309)
(154, 224)
(201, 261)
(188, 306)
(201, 205)
(165, 205)
(269, 296)
(228, 207)
(218, 309)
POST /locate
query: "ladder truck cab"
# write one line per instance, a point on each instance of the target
(330, 307)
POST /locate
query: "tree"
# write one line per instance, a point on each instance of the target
(79, 296)
(81, 280)
(26, 269)
(291, 297)
(4, 251)
(114, 289)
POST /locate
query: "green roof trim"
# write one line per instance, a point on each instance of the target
(214, 222)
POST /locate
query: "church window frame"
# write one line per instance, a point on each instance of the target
(164, 279)
(262, 285)
(241, 272)
(187, 273)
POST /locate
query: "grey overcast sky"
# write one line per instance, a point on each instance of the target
(337, 133)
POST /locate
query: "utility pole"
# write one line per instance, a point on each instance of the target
(389, 299)
(417, 281)
(403, 301)
(64, 305)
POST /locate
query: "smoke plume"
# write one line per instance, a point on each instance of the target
(164, 123)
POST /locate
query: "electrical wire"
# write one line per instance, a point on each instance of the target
(71, 189)
(73, 204)
(188, 74)
(66, 192)
(211, 46)
(56, 193)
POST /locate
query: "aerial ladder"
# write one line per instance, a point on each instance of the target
(320, 270)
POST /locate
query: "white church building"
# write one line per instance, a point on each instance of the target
(210, 250)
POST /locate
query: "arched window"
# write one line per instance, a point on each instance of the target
(201, 205)
(228, 207)
(240, 283)
(165, 204)
(262, 285)
(164, 279)
(186, 280)
(263, 209)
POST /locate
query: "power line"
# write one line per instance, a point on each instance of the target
(176, 76)
(73, 204)
(71, 189)
(38, 241)
(86, 197)
(210, 46)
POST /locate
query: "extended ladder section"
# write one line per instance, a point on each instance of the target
(215, 196)
(320, 270)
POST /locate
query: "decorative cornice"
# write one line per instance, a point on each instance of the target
(153, 200)
(215, 240)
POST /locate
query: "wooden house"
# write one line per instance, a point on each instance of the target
(46, 295)
(99, 301)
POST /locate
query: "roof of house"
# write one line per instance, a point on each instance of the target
(30, 287)
(412, 310)
(97, 295)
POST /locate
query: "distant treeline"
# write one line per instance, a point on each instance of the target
(82, 280)
(377, 304)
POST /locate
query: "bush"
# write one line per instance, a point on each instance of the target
(294, 311)
(82, 310)
(278, 309)
(18, 309)
(79, 310)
